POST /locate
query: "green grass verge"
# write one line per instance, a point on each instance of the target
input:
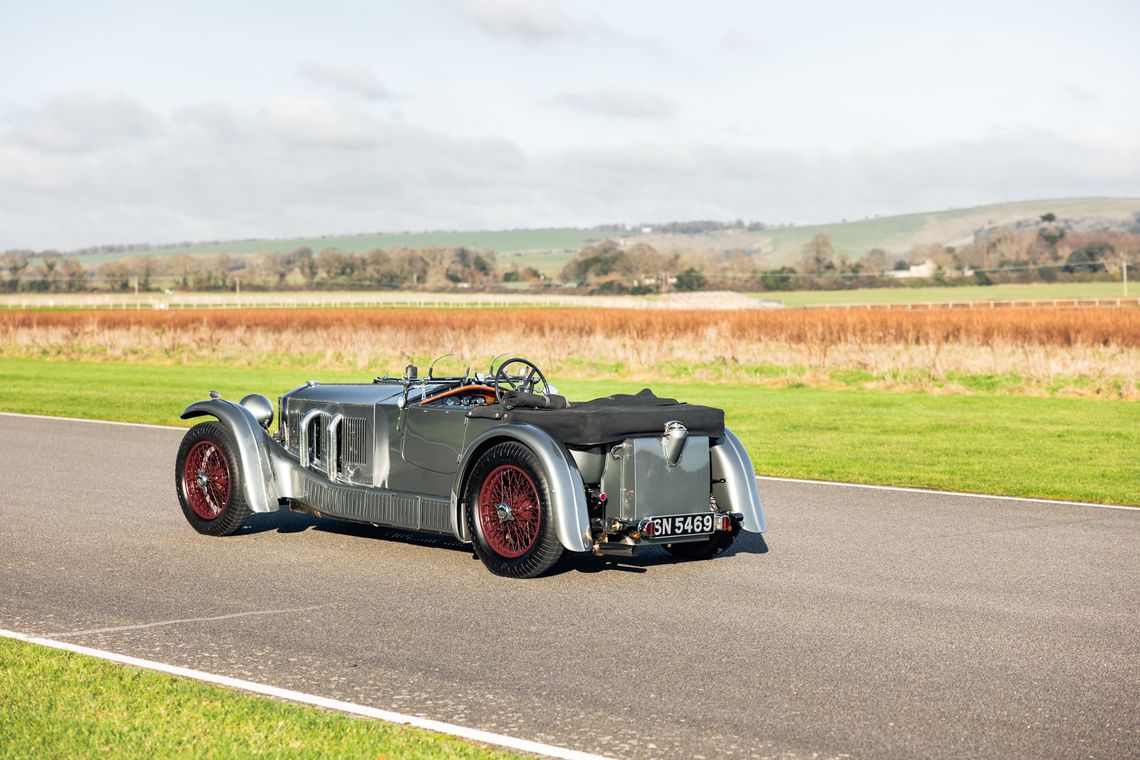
(1058, 448)
(61, 704)
(1041, 291)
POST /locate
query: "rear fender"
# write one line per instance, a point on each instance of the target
(567, 492)
(738, 492)
(252, 444)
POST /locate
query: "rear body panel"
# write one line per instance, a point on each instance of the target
(640, 483)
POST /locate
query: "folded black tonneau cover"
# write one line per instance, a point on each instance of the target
(612, 418)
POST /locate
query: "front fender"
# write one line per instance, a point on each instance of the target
(260, 488)
(738, 492)
(567, 492)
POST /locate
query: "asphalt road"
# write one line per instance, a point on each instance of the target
(870, 624)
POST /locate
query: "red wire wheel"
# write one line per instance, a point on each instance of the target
(206, 480)
(510, 513)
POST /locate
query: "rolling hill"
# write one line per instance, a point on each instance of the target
(549, 249)
(897, 234)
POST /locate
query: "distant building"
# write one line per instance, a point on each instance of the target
(925, 269)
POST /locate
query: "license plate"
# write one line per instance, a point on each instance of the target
(670, 526)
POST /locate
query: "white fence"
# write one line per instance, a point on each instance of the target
(398, 300)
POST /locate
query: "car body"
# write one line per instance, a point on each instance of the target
(497, 460)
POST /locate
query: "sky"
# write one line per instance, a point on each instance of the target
(130, 122)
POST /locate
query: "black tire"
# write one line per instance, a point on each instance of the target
(211, 490)
(517, 546)
(706, 549)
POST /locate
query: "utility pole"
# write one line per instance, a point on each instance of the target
(1124, 267)
(237, 288)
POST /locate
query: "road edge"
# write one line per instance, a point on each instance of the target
(313, 700)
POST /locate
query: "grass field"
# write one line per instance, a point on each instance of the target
(1071, 448)
(64, 705)
(1041, 291)
(533, 242)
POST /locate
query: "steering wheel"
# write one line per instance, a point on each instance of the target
(528, 382)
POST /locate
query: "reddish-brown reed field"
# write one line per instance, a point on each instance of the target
(1057, 327)
(1082, 351)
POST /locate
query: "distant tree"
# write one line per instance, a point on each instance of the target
(481, 265)
(293, 259)
(593, 262)
(642, 262)
(15, 262)
(116, 275)
(266, 269)
(213, 272)
(817, 255)
(179, 267)
(143, 268)
(309, 270)
(783, 278)
(221, 266)
(74, 275)
(1089, 258)
(49, 269)
(336, 264)
(942, 256)
(690, 279)
(1049, 217)
(1051, 235)
(999, 249)
(876, 260)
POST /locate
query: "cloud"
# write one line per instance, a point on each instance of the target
(308, 166)
(82, 123)
(526, 20)
(626, 103)
(360, 82)
(313, 122)
(1078, 94)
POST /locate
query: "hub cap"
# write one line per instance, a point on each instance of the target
(509, 512)
(206, 479)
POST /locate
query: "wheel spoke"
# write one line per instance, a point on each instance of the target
(206, 480)
(508, 511)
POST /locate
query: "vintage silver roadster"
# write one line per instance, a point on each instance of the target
(497, 460)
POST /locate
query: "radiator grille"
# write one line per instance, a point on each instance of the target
(354, 441)
(292, 427)
(354, 436)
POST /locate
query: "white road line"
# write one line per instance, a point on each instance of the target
(472, 734)
(807, 481)
(1050, 502)
(177, 622)
(96, 422)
